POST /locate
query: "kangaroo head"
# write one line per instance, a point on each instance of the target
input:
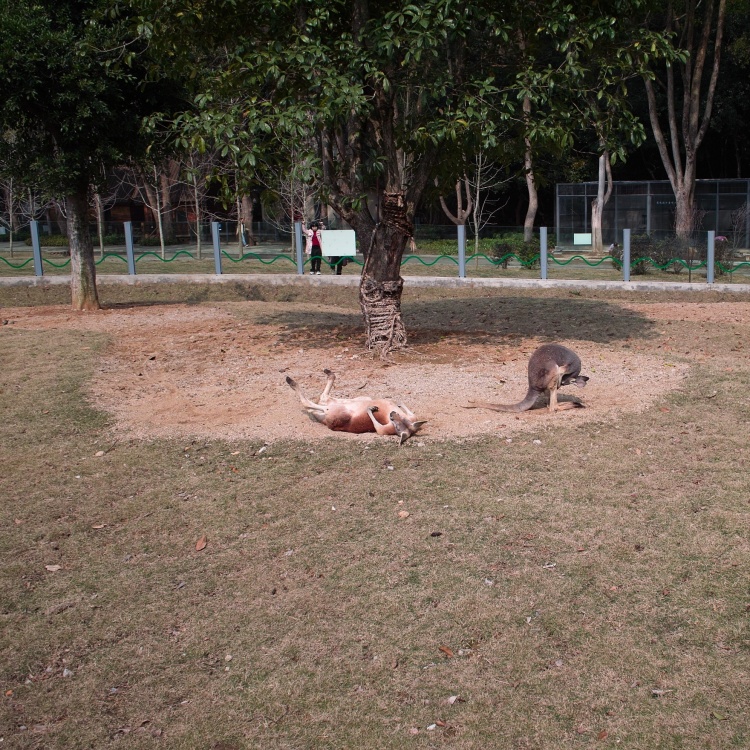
(404, 426)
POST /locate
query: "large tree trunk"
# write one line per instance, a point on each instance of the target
(381, 284)
(82, 269)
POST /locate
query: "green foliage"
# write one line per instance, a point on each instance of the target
(50, 240)
(514, 244)
(71, 103)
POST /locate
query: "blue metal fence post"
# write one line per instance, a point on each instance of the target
(129, 254)
(710, 255)
(298, 247)
(461, 251)
(626, 255)
(543, 252)
(36, 249)
(215, 229)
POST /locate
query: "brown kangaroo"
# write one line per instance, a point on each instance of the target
(361, 414)
(550, 367)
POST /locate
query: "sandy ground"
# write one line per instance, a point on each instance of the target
(218, 371)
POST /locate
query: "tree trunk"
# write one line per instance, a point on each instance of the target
(381, 284)
(247, 214)
(528, 164)
(167, 180)
(687, 124)
(604, 191)
(99, 221)
(685, 214)
(82, 269)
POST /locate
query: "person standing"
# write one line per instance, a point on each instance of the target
(313, 247)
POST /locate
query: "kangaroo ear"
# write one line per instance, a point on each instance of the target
(581, 381)
(291, 382)
(418, 425)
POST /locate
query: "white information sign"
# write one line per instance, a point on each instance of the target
(582, 239)
(338, 243)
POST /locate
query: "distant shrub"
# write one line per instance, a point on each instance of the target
(154, 242)
(514, 244)
(50, 240)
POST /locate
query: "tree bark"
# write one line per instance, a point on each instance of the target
(462, 214)
(83, 291)
(381, 285)
(248, 215)
(604, 192)
(528, 165)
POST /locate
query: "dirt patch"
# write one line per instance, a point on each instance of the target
(218, 371)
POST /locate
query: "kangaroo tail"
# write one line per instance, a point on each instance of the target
(531, 396)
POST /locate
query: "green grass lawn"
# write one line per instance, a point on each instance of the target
(591, 593)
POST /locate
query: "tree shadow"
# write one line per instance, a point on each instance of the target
(476, 321)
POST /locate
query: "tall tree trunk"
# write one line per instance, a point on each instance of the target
(99, 221)
(528, 165)
(168, 178)
(603, 194)
(248, 215)
(82, 269)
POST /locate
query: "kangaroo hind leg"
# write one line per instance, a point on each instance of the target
(329, 384)
(310, 406)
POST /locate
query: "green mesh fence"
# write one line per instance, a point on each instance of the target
(502, 261)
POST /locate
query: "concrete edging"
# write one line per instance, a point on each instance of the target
(447, 282)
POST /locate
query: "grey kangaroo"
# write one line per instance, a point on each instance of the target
(550, 367)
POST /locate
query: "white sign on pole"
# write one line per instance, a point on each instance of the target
(338, 243)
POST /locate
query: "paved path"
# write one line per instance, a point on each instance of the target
(448, 282)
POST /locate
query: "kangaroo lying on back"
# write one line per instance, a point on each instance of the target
(361, 414)
(550, 367)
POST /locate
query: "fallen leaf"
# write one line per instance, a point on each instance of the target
(441, 723)
(201, 543)
(53, 568)
(98, 525)
(99, 454)
(403, 514)
(447, 651)
(602, 735)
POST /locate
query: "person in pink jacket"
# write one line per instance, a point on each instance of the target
(313, 246)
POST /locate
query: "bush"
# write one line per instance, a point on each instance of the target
(669, 255)
(50, 240)
(514, 244)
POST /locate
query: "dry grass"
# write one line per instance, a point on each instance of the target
(590, 591)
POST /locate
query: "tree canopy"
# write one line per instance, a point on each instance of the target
(73, 105)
